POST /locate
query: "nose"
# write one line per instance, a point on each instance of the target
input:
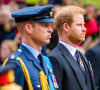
(50, 29)
(84, 28)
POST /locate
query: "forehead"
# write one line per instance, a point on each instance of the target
(78, 17)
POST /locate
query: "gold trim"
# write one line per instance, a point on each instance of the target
(26, 74)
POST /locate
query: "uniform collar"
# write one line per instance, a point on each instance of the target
(32, 50)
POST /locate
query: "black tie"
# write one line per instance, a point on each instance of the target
(42, 63)
(40, 59)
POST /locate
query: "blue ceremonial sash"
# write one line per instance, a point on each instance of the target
(49, 66)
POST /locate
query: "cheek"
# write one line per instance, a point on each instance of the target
(41, 30)
(75, 32)
(5, 53)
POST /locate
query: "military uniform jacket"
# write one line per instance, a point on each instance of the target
(68, 73)
(31, 64)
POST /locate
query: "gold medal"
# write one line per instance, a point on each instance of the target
(80, 62)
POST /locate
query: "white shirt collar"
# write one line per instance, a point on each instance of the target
(71, 49)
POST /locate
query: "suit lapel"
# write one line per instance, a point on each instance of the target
(68, 57)
(87, 65)
(30, 56)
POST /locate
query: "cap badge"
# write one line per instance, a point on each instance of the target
(51, 13)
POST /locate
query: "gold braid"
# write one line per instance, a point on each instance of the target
(42, 76)
(43, 81)
(26, 74)
(5, 61)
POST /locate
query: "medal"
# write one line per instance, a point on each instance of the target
(54, 81)
(80, 62)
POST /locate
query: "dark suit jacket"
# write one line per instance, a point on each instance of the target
(68, 73)
(93, 55)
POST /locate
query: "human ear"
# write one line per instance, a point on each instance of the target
(66, 27)
(28, 28)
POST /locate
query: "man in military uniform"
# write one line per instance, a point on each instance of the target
(34, 70)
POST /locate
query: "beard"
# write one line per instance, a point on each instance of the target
(76, 40)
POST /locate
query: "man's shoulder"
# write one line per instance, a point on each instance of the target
(15, 54)
(13, 57)
(93, 50)
(54, 52)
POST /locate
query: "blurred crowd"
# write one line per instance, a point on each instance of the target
(10, 38)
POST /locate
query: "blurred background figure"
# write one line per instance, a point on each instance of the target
(98, 16)
(5, 25)
(17, 39)
(13, 6)
(93, 55)
(53, 42)
(7, 78)
(92, 25)
(7, 47)
(90, 21)
(36, 2)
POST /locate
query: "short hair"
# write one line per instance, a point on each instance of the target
(65, 15)
(21, 25)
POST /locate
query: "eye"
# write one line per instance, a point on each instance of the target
(45, 24)
(79, 24)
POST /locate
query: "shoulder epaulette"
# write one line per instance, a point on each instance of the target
(15, 54)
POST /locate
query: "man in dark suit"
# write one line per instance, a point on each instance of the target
(33, 69)
(93, 55)
(70, 66)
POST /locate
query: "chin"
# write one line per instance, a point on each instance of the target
(81, 41)
(47, 42)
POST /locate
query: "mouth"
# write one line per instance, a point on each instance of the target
(49, 36)
(83, 34)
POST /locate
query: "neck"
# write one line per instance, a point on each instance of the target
(32, 44)
(67, 41)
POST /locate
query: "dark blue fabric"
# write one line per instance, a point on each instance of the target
(78, 57)
(38, 13)
(93, 55)
(31, 64)
(68, 73)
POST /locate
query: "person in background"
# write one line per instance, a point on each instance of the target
(5, 26)
(93, 55)
(34, 70)
(90, 21)
(7, 47)
(70, 65)
(98, 16)
(18, 39)
(53, 42)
